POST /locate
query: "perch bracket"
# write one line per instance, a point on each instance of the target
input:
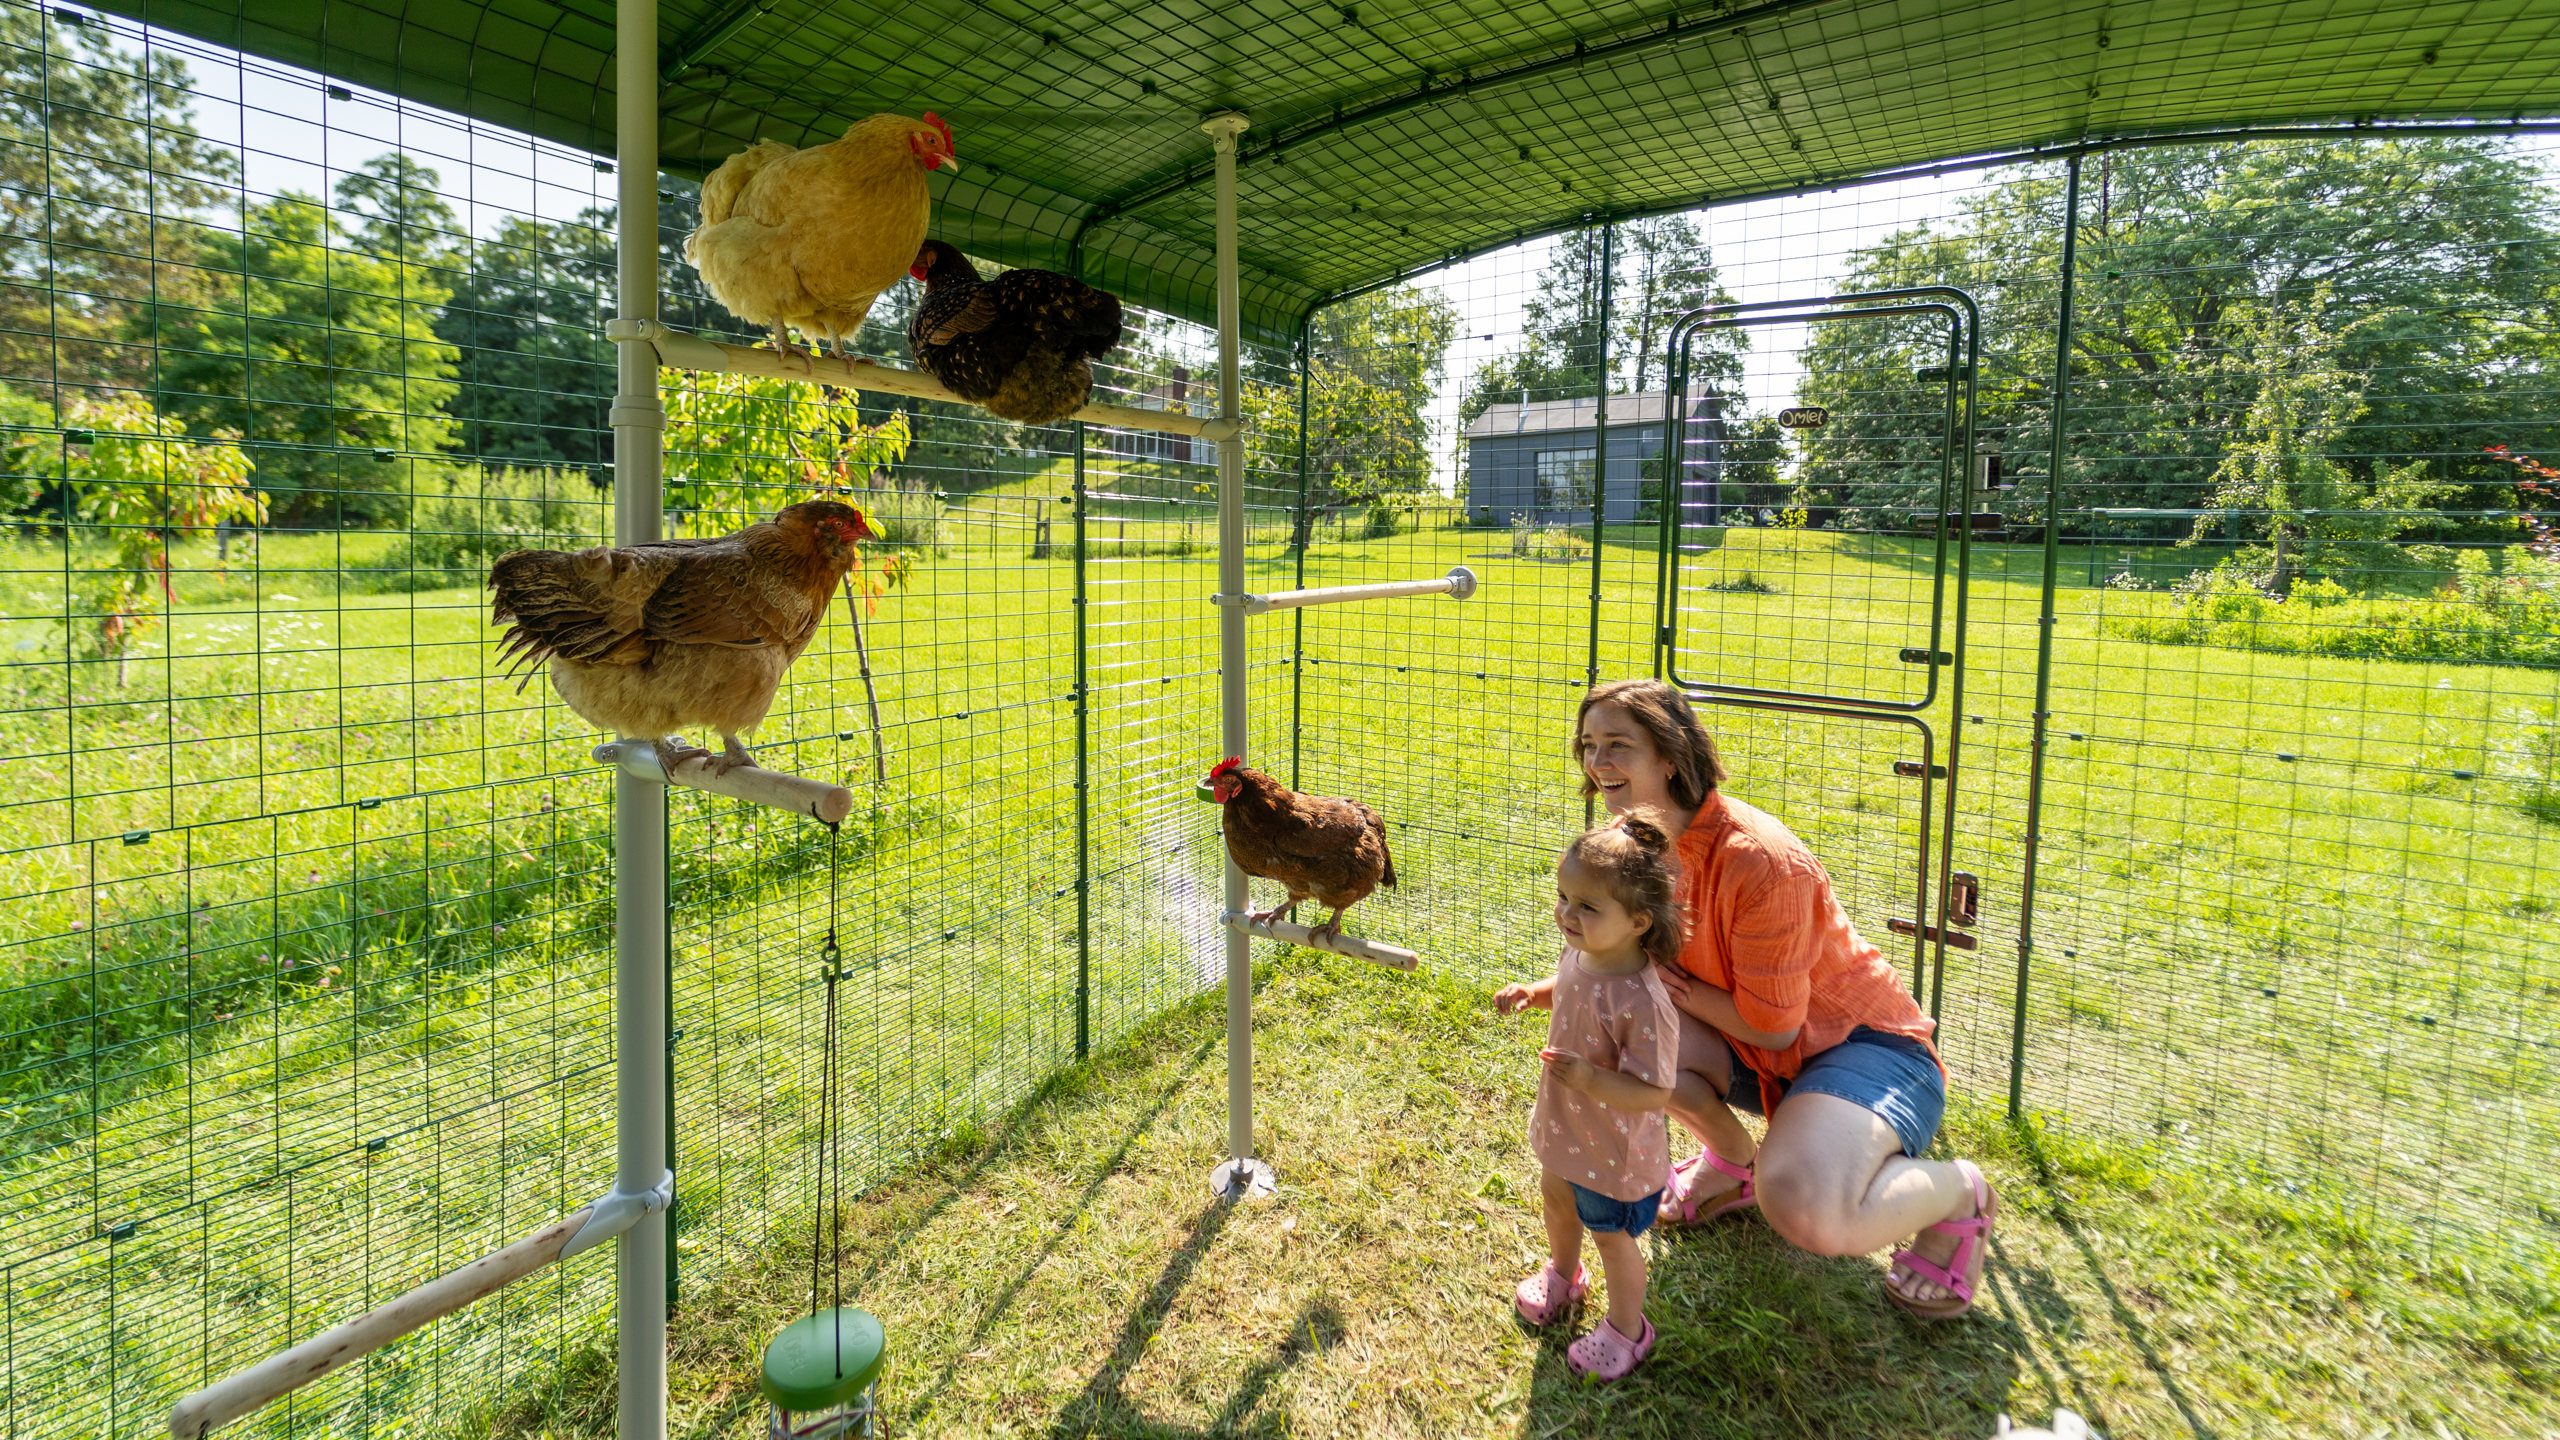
(618, 1211)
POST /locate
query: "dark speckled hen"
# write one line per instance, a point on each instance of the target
(1022, 344)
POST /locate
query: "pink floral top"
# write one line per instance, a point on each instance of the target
(1624, 1023)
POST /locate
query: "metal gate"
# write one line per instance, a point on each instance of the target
(1819, 605)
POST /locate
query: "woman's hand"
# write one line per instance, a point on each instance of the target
(1571, 1070)
(1675, 980)
(1536, 995)
(1704, 1002)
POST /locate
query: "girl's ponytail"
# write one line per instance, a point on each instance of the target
(1634, 857)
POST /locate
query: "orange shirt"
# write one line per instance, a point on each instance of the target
(1764, 924)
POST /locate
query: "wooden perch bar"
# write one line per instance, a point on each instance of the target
(678, 350)
(1394, 957)
(227, 1400)
(1458, 584)
(751, 783)
(270, 1379)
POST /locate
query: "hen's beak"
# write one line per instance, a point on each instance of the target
(950, 163)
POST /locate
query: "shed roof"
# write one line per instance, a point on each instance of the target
(1391, 135)
(1543, 417)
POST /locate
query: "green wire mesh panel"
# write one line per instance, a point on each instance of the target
(307, 959)
(2297, 810)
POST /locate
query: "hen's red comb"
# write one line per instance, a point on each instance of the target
(1232, 762)
(948, 144)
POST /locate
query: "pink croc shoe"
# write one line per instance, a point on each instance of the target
(1606, 1354)
(1547, 1297)
(1680, 1208)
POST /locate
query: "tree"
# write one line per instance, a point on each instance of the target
(1375, 362)
(1666, 271)
(2281, 483)
(1663, 270)
(536, 373)
(101, 171)
(322, 353)
(140, 478)
(2441, 240)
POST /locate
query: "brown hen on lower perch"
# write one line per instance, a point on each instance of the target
(645, 640)
(1321, 848)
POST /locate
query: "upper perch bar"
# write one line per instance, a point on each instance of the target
(1458, 584)
(678, 350)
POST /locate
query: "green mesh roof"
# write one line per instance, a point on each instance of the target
(1390, 135)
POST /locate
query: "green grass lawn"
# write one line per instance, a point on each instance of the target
(1063, 1272)
(2294, 947)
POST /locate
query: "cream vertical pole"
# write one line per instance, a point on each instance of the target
(1241, 1175)
(639, 806)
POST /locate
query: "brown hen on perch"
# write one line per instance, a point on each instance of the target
(644, 640)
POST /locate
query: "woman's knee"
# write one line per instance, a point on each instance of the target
(1802, 1205)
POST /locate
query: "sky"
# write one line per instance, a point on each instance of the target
(291, 133)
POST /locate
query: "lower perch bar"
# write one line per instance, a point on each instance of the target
(229, 1399)
(751, 783)
(1394, 957)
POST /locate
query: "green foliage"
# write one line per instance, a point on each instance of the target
(1547, 542)
(143, 482)
(743, 441)
(2509, 613)
(94, 201)
(2278, 483)
(2186, 252)
(1663, 270)
(31, 456)
(326, 362)
(481, 514)
(1376, 361)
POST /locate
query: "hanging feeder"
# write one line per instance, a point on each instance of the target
(818, 1374)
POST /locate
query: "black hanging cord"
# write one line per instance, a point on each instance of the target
(830, 1121)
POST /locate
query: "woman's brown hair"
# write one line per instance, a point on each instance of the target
(1633, 860)
(1663, 714)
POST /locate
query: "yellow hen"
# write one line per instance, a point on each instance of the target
(809, 238)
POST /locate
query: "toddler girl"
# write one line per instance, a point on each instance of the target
(1611, 1046)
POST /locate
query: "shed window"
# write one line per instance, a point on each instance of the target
(1564, 479)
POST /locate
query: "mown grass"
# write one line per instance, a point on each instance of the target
(1064, 1272)
(2317, 975)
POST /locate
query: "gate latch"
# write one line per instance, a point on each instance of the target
(1921, 655)
(1956, 940)
(1964, 899)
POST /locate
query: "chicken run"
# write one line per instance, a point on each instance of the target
(1250, 675)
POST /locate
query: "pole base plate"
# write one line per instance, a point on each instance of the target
(1243, 1180)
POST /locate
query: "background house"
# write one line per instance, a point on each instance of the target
(1536, 460)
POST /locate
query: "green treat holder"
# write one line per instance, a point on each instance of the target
(817, 1373)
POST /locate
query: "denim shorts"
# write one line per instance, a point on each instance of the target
(1600, 1214)
(1895, 1076)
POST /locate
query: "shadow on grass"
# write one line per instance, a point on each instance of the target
(1058, 1233)
(1104, 1406)
(2044, 1306)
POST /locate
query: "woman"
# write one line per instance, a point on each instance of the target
(1787, 1013)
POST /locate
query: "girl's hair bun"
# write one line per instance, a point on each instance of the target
(1632, 856)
